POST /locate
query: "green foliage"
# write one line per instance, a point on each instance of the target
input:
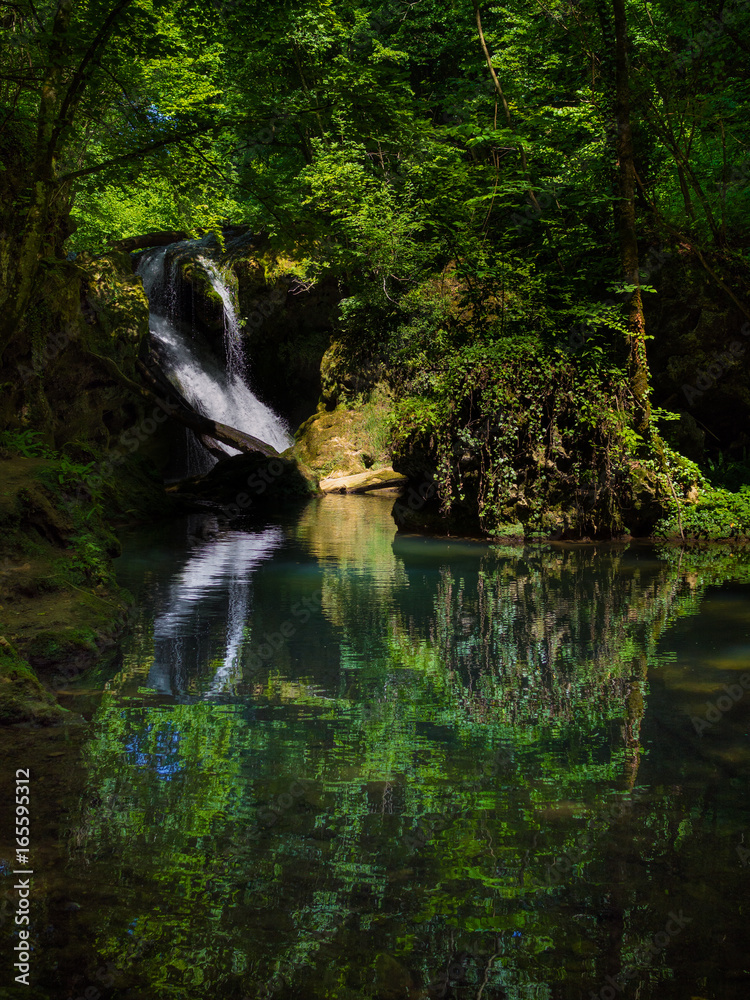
(731, 474)
(716, 514)
(369, 143)
(519, 434)
(92, 561)
(27, 443)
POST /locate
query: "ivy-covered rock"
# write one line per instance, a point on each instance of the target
(519, 442)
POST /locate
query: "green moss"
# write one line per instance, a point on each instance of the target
(58, 602)
(60, 644)
(519, 440)
(349, 439)
(22, 697)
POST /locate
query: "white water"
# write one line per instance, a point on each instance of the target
(232, 326)
(217, 569)
(217, 391)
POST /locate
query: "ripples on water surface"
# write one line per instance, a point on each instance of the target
(336, 762)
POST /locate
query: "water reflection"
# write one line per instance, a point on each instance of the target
(213, 588)
(435, 769)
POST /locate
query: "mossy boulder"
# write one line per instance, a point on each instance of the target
(54, 379)
(22, 697)
(347, 440)
(60, 608)
(518, 443)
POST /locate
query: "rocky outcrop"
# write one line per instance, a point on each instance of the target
(85, 310)
(346, 441)
(245, 483)
(74, 450)
(288, 328)
(523, 444)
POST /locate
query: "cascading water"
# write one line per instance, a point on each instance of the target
(214, 389)
(232, 326)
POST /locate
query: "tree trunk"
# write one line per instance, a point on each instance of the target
(626, 222)
(501, 95)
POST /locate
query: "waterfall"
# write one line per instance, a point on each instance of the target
(214, 388)
(232, 326)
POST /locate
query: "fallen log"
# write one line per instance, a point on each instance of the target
(148, 240)
(364, 482)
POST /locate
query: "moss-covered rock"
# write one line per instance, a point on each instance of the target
(516, 442)
(348, 440)
(22, 697)
(54, 380)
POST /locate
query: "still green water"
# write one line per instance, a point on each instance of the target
(331, 761)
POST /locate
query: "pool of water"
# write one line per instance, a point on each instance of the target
(330, 761)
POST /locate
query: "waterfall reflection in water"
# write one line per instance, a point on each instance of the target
(214, 584)
(468, 771)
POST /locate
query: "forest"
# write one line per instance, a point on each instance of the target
(374, 430)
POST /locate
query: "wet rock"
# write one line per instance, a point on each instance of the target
(243, 483)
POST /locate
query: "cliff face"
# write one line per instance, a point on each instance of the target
(55, 381)
(287, 323)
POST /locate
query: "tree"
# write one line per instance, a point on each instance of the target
(626, 222)
(83, 92)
